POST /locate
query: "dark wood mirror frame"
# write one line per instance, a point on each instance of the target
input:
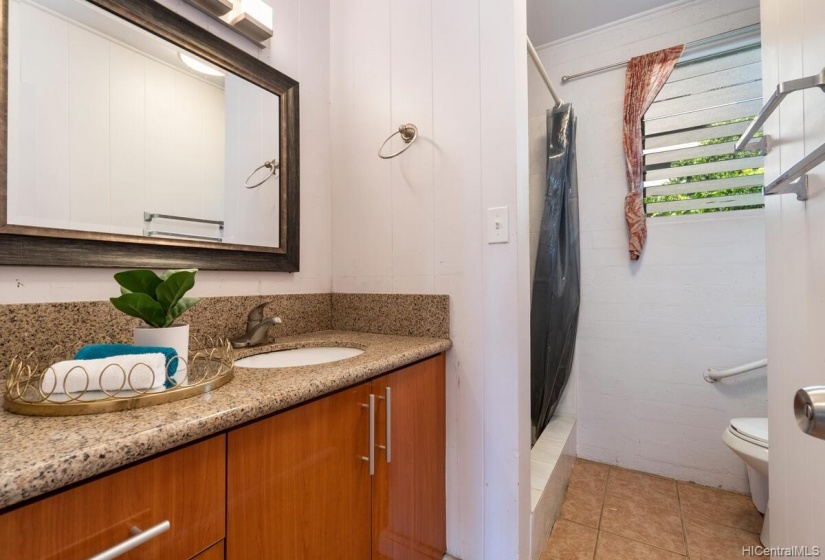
(27, 245)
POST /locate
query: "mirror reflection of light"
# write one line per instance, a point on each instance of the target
(197, 65)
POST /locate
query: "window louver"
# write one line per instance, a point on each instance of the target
(689, 133)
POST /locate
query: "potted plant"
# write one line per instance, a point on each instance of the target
(157, 301)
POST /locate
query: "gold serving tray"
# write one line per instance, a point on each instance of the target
(207, 369)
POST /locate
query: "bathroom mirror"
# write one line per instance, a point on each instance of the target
(134, 137)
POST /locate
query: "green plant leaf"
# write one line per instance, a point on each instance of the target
(171, 290)
(168, 273)
(139, 281)
(180, 308)
(141, 306)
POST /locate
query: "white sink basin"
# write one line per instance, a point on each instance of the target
(299, 357)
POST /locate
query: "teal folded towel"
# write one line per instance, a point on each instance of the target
(97, 351)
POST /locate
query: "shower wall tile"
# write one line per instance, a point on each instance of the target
(648, 330)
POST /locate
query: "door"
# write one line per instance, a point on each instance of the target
(409, 495)
(297, 487)
(794, 46)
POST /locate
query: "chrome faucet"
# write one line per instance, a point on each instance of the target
(256, 328)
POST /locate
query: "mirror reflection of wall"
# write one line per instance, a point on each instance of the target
(108, 122)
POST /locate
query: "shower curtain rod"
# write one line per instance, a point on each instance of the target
(699, 42)
(535, 56)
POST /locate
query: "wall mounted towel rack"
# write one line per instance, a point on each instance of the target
(794, 180)
(781, 92)
(409, 134)
(148, 217)
(272, 165)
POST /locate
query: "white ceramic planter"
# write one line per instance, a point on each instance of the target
(176, 336)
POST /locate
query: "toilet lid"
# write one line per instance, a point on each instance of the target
(753, 429)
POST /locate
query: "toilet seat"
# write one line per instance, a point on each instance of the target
(748, 438)
(752, 430)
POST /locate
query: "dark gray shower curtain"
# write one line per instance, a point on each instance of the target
(556, 286)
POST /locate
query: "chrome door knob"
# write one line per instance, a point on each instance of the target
(809, 409)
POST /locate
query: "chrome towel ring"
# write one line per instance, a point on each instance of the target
(408, 132)
(272, 165)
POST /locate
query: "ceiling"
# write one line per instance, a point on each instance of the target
(549, 20)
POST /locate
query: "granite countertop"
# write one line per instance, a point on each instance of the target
(43, 454)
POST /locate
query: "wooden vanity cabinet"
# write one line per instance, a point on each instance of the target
(408, 491)
(295, 486)
(185, 487)
(299, 486)
(214, 552)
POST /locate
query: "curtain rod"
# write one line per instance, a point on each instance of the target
(699, 42)
(535, 56)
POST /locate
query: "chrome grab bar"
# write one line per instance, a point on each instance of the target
(138, 538)
(782, 90)
(714, 375)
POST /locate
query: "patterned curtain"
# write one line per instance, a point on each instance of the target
(645, 77)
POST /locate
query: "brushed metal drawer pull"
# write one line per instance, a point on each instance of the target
(389, 424)
(388, 411)
(135, 541)
(371, 458)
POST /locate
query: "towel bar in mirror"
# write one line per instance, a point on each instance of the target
(116, 109)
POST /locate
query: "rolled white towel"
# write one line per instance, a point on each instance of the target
(131, 371)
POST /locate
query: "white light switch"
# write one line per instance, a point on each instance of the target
(498, 230)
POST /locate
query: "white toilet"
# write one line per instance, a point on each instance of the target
(748, 438)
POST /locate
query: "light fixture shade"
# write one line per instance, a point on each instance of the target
(253, 19)
(198, 65)
(216, 8)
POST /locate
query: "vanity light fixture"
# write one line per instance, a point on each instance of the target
(253, 18)
(215, 8)
(250, 18)
(197, 65)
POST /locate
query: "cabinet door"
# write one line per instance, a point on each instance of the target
(214, 552)
(185, 487)
(409, 494)
(297, 485)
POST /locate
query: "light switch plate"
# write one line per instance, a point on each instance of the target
(498, 230)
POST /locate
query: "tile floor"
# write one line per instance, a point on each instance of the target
(610, 513)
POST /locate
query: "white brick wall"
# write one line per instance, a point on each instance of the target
(647, 331)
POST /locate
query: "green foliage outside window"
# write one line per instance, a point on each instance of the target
(756, 188)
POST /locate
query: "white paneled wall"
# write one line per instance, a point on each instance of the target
(300, 48)
(110, 128)
(696, 299)
(794, 46)
(252, 215)
(456, 69)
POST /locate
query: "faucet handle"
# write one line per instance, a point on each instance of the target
(256, 315)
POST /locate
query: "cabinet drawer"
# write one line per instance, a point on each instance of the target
(186, 487)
